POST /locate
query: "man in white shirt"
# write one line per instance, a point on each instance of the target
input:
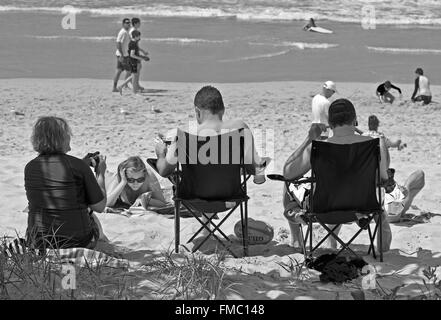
(122, 53)
(320, 104)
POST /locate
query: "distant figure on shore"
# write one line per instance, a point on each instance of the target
(422, 88)
(383, 93)
(122, 53)
(309, 25)
(136, 24)
(373, 124)
(320, 105)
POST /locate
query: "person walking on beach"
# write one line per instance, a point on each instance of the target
(122, 48)
(136, 24)
(422, 88)
(383, 93)
(134, 59)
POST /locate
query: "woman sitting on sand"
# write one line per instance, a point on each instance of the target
(61, 190)
(134, 185)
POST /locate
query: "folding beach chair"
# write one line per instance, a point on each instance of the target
(345, 180)
(211, 177)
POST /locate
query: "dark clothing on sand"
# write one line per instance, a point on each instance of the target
(60, 189)
(382, 89)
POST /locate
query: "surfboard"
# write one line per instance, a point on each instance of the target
(320, 30)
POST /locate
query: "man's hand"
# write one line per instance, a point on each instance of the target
(316, 130)
(146, 58)
(102, 166)
(123, 176)
(160, 148)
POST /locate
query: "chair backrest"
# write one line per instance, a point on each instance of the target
(345, 176)
(210, 166)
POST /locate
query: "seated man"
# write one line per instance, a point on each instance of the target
(342, 120)
(209, 109)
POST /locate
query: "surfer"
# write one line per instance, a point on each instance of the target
(309, 25)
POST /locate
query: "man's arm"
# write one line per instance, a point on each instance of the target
(167, 158)
(379, 97)
(396, 88)
(417, 85)
(299, 162)
(385, 159)
(119, 48)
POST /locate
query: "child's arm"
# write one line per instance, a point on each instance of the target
(133, 55)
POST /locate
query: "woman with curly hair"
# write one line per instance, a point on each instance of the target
(135, 185)
(61, 190)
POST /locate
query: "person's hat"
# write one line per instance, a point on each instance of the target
(330, 85)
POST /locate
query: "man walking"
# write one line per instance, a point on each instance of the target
(122, 53)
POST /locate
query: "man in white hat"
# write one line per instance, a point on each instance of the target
(320, 104)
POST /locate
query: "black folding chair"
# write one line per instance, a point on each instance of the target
(345, 181)
(211, 177)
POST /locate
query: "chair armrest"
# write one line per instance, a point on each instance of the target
(279, 177)
(152, 163)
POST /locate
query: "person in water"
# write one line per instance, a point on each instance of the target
(383, 92)
(422, 88)
(309, 25)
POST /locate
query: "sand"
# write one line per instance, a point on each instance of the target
(284, 107)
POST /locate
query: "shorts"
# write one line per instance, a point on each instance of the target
(426, 99)
(123, 65)
(133, 65)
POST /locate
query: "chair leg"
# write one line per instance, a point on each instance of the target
(245, 233)
(177, 225)
(371, 239)
(305, 253)
(380, 221)
(310, 237)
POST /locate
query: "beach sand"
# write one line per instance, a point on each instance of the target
(284, 107)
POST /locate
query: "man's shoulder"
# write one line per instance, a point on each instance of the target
(235, 124)
(319, 99)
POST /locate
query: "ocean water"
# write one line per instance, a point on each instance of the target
(418, 12)
(225, 40)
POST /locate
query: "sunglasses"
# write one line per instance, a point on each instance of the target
(133, 180)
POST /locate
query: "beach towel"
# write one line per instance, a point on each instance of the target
(80, 257)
